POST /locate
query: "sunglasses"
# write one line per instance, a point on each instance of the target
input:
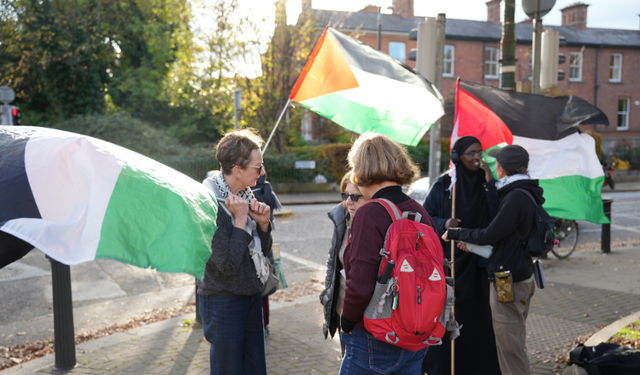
(259, 167)
(354, 197)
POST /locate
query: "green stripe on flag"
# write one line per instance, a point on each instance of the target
(574, 198)
(398, 125)
(157, 225)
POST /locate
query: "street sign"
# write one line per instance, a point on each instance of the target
(7, 94)
(544, 6)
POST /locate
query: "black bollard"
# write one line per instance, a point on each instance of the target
(605, 243)
(63, 331)
(198, 316)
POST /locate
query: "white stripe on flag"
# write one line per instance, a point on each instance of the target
(574, 155)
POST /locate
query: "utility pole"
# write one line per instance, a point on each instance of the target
(536, 9)
(237, 106)
(508, 48)
(379, 28)
(434, 135)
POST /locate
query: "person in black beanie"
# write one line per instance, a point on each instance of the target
(264, 193)
(512, 285)
(476, 201)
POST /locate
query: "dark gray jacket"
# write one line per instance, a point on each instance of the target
(332, 281)
(230, 270)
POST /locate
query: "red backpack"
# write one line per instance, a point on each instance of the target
(411, 304)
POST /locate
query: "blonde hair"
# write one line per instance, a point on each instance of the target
(235, 148)
(346, 179)
(375, 158)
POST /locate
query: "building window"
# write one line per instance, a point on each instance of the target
(575, 66)
(615, 67)
(449, 54)
(398, 50)
(491, 62)
(623, 114)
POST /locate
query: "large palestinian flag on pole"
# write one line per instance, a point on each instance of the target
(365, 90)
(561, 157)
(78, 198)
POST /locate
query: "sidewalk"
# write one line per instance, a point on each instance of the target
(585, 292)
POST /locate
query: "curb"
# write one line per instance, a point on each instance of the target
(609, 331)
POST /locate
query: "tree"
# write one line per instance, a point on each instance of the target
(286, 54)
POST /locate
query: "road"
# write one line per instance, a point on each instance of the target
(107, 292)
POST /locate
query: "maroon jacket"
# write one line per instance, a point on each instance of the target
(362, 256)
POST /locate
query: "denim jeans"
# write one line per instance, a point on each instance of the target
(233, 326)
(367, 355)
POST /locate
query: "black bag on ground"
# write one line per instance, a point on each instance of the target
(606, 359)
(540, 237)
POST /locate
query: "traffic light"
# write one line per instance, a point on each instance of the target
(550, 58)
(426, 48)
(413, 52)
(15, 115)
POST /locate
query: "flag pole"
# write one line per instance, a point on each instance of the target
(453, 276)
(276, 126)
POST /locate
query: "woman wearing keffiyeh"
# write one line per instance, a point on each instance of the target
(231, 292)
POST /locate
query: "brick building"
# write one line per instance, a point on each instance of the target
(601, 65)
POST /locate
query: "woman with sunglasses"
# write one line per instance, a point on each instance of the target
(333, 293)
(380, 168)
(230, 294)
(476, 198)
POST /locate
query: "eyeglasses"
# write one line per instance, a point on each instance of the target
(473, 154)
(259, 167)
(354, 197)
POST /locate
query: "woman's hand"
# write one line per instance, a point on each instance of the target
(487, 171)
(445, 236)
(239, 209)
(261, 213)
(452, 223)
(462, 246)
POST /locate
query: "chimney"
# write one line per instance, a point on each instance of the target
(306, 6)
(370, 8)
(403, 8)
(575, 16)
(493, 11)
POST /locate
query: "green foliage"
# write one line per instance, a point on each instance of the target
(133, 134)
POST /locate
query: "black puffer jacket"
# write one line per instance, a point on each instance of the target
(515, 212)
(332, 282)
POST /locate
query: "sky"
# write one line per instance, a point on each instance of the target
(608, 14)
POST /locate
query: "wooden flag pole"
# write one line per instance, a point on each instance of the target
(453, 276)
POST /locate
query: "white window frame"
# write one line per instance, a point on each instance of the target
(495, 52)
(450, 61)
(402, 58)
(575, 67)
(613, 67)
(625, 113)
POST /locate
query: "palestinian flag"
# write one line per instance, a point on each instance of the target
(78, 198)
(560, 156)
(365, 90)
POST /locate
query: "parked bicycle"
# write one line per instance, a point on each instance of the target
(567, 237)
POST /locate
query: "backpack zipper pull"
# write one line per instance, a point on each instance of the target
(420, 234)
(419, 295)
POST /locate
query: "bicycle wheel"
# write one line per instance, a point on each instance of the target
(567, 236)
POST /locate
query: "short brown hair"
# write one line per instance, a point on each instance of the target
(235, 148)
(375, 158)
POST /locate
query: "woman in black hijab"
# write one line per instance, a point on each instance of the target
(476, 203)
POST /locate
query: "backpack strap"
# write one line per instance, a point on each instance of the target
(535, 204)
(392, 209)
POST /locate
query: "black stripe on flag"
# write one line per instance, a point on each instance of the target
(537, 116)
(370, 60)
(16, 197)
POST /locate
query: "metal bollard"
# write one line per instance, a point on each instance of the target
(605, 242)
(198, 316)
(63, 330)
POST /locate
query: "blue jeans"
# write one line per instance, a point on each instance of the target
(233, 326)
(367, 355)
